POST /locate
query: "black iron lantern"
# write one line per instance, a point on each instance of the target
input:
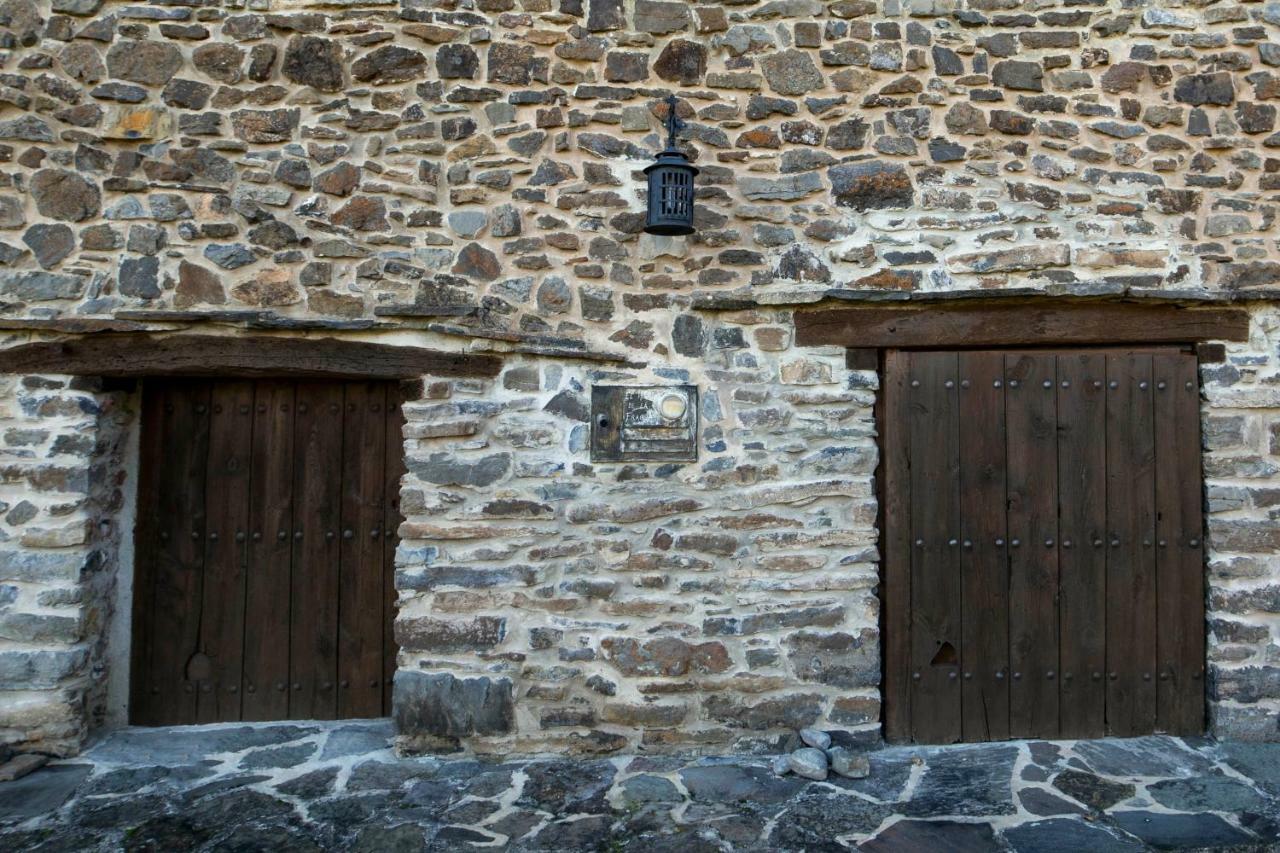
(670, 185)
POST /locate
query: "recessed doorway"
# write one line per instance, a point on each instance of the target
(265, 547)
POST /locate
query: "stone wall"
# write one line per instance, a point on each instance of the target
(62, 485)
(466, 174)
(642, 604)
(1241, 427)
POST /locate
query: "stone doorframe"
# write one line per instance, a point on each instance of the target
(1242, 700)
(74, 402)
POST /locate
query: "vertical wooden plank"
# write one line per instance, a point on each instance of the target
(221, 657)
(1179, 550)
(153, 534)
(1031, 420)
(361, 604)
(984, 549)
(176, 450)
(936, 620)
(1082, 564)
(394, 470)
(267, 582)
(1131, 594)
(317, 487)
(895, 441)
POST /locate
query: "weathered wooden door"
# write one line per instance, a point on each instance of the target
(1044, 571)
(264, 551)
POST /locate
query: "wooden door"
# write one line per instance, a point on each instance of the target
(265, 541)
(1044, 566)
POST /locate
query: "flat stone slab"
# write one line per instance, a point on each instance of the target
(1207, 793)
(965, 780)
(290, 788)
(1182, 830)
(188, 744)
(1142, 756)
(907, 836)
(1060, 834)
(40, 792)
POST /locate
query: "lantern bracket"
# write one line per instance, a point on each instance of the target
(674, 123)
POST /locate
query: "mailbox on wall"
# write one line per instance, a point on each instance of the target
(655, 423)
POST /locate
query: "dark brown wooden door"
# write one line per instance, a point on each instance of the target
(264, 551)
(1044, 566)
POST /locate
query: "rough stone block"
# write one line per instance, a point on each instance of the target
(449, 635)
(441, 705)
(839, 659)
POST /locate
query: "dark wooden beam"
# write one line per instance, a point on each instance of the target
(1019, 324)
(240, 356)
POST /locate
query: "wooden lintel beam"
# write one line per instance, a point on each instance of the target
(1023, 324)
(113, 355)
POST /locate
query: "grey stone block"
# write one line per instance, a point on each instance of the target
(441, 705)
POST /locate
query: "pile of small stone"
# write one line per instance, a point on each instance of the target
(818, 757)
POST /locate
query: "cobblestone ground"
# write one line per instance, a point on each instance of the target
(298, 787)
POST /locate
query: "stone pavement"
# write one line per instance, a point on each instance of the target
(314, 786)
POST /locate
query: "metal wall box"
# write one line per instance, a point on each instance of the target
(656, 423)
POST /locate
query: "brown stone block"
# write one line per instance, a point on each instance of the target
(855, 710)
(440, 635)
(643, 714)
(788, 711)
(664, 656)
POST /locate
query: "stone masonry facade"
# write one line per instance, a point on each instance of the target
(465, 175)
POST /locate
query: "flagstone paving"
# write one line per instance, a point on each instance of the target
(326, 786)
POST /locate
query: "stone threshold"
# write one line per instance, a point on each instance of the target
(305, 785)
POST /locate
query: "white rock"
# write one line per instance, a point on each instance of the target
(815, 738)
(809, 763)
(781, 765)
(848, 763)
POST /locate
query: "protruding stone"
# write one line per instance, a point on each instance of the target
(265, 126)
(1013, 260)
(137, 122)
(605, 15)
(1014, 74)
(664, 656)
(475, 261)
(81, 61)
(682, 61)
(50, 243)
(151, 63)
(1200, 89)
(197, 285)
(223, 62)
(64, 195)
(340, 180)
(442, 705)
(809, 763)
(815, 738)
(314, 61)
(139, 277)
(362, 213)
(389, 64)
(427, 633)
(872, 185)
(845, 762)
(791, 72)
(448, 470)
(26, 128)
(510, 63)
(660, 17)
(457, 62)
